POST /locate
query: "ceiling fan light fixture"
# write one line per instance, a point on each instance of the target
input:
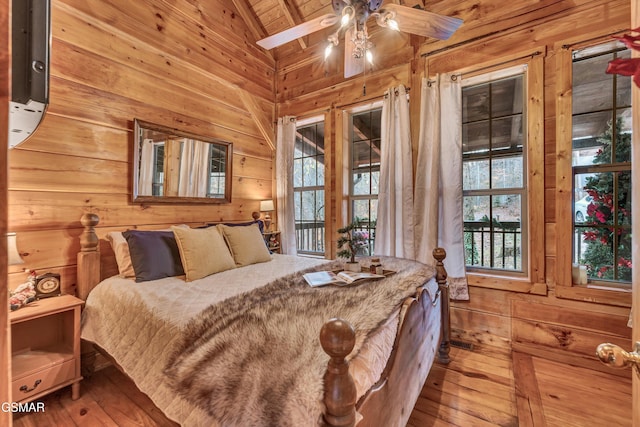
(369, 56)
(328, 50)
(393, 24)
(347, 15)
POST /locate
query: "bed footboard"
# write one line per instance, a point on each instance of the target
(391, 400)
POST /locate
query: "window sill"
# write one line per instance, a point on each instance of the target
(512, 284)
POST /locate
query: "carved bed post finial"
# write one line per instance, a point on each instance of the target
(338, 339)
(89, 239)
(441, 277)
(88, 273)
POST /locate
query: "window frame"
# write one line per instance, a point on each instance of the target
(534, 281)
(347, 159)
(319, 186)
(565, 288)
(488, 78)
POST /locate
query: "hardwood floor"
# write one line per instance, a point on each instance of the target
(483, 387)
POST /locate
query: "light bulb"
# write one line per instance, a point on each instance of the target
(369, 56)
(327, 50)
(393, 24)
(345, 20)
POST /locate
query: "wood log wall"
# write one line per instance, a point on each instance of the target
(507, 313)
(192, 64)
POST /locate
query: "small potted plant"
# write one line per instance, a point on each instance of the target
(350, 242)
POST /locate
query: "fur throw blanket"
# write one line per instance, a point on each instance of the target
(256, 359)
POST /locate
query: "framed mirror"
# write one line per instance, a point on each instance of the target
(172, 166)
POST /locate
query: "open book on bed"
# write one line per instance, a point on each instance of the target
(322, 278)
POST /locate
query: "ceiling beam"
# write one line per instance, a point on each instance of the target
(293, 17)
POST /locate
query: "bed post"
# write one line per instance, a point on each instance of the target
(441, 277)
(88, 257)
(338, 339)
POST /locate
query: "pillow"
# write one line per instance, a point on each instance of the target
(241, 224)
(154, 254)
(120, 248)
(202, 251)
(246, 244)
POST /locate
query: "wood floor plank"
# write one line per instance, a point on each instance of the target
(129, 389)
(120, 408)
(528, 400)
(522, 390)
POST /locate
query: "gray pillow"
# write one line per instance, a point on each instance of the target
(154, 254)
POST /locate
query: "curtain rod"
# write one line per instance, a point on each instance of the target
(365, 100)
(570, 45)
(477, 70)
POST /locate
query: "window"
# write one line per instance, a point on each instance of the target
(157, 184)
(601, 165)
(217, 175)
(494, 172)
(364, 141)
(308, 188)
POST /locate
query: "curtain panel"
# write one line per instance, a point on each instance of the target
(285, 142)
(438, 188)
(394, 226)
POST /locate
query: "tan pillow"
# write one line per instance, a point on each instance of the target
(246, 244)
(120, 248)
(202, 252)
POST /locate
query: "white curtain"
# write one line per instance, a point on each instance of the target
(394, 226)
(286, 138)
(438, 194)
(145, 180)
(194, 168)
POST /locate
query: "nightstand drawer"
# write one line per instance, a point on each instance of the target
(33, 384)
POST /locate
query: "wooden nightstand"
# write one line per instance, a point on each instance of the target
(45, 347)
(273, 240)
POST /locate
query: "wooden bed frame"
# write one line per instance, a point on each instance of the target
(385, 403)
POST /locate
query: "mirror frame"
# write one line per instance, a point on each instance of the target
(139, 125)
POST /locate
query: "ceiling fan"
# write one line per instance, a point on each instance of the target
(353, 16)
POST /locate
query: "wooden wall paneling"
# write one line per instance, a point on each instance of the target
(347, 93)
(494, 18)
(139, 86)
(66, 136)
(41, 210)
(480, 328)
(5, 91)
(52, 172)
(159, 24)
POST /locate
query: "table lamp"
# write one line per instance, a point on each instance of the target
(266, 206)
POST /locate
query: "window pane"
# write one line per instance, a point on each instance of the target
(475, 175)
(507, 172)
(506, 96)
(623, 146)
(475, 137)
(592, 86)
(297, 173)
(320, 166)
(506, 133)
(475, 103)
(361, 154)
(309, 172)
(361, 183)
(588, 129)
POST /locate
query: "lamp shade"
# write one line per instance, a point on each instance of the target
(13, 256)
(266, 206)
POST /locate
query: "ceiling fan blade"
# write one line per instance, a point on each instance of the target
(298, 31)
(422, 22)
(352, 66)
